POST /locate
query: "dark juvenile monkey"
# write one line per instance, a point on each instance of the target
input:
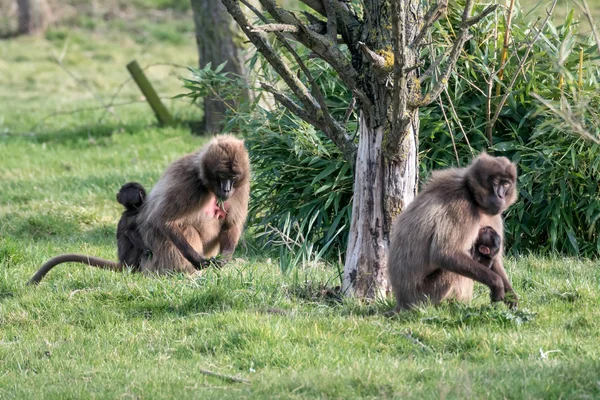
(130, 247)
(430, 246)
(487, 246)
(181, 220)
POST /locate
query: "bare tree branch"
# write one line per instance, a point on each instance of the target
(490, 127)
(399, 118)
(459, 42)
(275, 28)
(377, 61)
(475, 20)
(334, 130)
(322, 45)
(588, 15)
(316, 5)
(433, 14)
(331, 20)
(432, 68)
(265, 48)
(349, 110)
(319, 28)
(290, 104)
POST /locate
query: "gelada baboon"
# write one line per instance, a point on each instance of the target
(487, 246)
(430, 246)
(197, 208)
(130, 247)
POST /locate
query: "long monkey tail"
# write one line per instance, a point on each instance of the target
(79, 258)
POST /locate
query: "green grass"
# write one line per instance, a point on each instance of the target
(86, 333)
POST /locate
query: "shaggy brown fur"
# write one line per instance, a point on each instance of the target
(429, 250)
(487, 246)
(181, 221)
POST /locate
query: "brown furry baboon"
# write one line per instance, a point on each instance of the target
(130, 247)
(197, 208)
(430, 246)
(487, 246)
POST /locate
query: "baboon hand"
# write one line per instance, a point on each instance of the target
(511, 299)
(217, 262)
(199, 262)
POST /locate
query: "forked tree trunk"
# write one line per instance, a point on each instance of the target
(219, 39)
(382, 188)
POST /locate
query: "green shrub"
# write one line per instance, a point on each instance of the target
(302, 187)
(558, 170)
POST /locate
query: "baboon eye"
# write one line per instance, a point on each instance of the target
(506, 184)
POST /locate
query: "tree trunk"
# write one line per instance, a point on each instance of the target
(219, 40)
(386, 171)
(382, 188)
(34, 16)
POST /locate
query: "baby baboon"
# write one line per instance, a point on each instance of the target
(430, 256)
(130, 247)
(198, 207)
(487, 246)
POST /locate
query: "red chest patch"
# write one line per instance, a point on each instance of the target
(213, 210)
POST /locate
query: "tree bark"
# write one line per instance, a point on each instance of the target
(383, 186)
(219, 40)
(386, 172)
(34, 16)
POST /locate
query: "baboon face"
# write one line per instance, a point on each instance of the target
(226, 167)
(492, 181)
(488, 242)
(131, 195)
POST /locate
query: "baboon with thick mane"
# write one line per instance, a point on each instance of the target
(182, 221)
(430, 256)
(196, 210)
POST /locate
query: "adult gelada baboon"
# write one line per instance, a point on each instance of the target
(430, 256)
(196, 209)
(487, 246)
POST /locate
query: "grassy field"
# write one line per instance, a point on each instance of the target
(86, 333)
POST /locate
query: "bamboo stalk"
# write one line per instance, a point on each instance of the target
(505, 46)
(162, 114)
(580, 68)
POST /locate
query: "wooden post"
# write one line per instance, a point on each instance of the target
(162, 114)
